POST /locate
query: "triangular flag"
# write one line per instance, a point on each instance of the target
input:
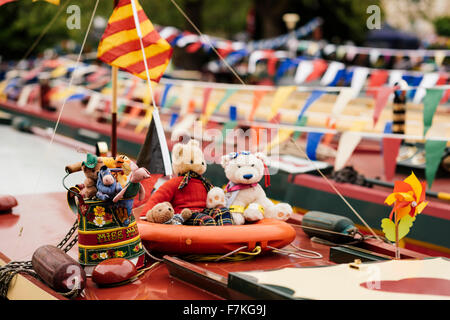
(173, 119)
(304, 69)
(434, 149)
(319, 68)
(206, 95)
(154, 154)
(394, 77)
(314, 96)
(257, 97)
(164, 95)
(331, 72)
(430, 104)
(312, 143)
(359, 79)
(120, 45)
(300, 123)
(347, 143)
(382, 97)
(211, 108)
(279, 98)
(428, 81)
(344, 97)
(187, 89)
(377, 79)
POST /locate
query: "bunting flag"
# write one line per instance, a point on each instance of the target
(164, 95)
(319, 67)
(358, 80)
(94, 101)
(377, 79)
(304, 69)
(430, 104)
(347, 143)
(280, 97)
(394, 77)
(230, 125)
(312, 143)
(434, 150)
(429, 80)
(211, 108)
(314, 96)
(344, 97)
(330, 74)
(206, 95)
(187, 88)
(390, 147)
(120, 45)
(173, 119)
(381, 99)
(257, 97)
(146, 119)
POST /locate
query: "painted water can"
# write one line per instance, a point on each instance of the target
(102, 233)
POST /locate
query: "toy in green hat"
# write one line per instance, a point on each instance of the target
(91, 161)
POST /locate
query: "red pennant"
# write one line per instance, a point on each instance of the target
(206, 95)
(442, 81)
(319, 67)
(377, 79)
(194, 47)
(391, 147)
(382, 98)
(257, 97)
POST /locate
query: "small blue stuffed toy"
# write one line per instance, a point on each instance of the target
(107, 186)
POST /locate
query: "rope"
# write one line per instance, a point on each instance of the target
(47, 27)
(235, 255)
(314, 254)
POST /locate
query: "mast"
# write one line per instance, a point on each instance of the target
(114, 72)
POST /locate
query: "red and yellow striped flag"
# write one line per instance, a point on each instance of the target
(120, 45)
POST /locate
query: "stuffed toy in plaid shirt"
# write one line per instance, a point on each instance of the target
(188, 190)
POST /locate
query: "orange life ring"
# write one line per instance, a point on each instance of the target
(176, 239)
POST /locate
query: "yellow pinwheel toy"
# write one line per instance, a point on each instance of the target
(408, 200)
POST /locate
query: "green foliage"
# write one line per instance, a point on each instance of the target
(442, 25)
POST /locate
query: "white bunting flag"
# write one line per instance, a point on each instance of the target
(358, 79)
(347, 143)
(428, 80)
(331, 72)
(304, 69)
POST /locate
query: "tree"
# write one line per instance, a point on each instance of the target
(442, 26)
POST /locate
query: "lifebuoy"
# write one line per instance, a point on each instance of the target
(176, 239)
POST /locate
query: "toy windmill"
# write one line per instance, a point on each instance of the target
(408, 200)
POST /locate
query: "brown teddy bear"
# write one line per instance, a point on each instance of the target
(164, 213)
(189, 189)
(90, 168)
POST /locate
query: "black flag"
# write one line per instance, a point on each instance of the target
(154, 153)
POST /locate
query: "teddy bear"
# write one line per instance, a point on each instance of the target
(246, 199)
(125, 197)
(90, 168)
(107, 186)
(189, 189)
(164, 213)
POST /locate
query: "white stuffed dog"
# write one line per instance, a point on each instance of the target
(246, 199)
